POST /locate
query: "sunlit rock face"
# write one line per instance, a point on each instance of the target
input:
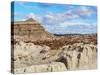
(51, 67)
(34, 58)
(80, 56)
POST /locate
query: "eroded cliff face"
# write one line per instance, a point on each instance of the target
(79, 56)
(50, 67)
(29, 30)
(35, 58)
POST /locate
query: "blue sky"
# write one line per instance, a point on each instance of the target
(58, 18)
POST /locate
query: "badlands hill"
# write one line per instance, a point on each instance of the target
(30, 30)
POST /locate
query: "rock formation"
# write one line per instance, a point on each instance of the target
(34, 58)
(29, 30)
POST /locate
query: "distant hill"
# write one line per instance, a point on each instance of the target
(30, 30)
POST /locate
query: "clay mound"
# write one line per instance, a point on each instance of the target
(30, 30)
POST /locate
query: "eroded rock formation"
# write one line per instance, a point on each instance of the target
(29, 30)
(34, 58)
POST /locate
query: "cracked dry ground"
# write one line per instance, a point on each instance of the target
(30, 57)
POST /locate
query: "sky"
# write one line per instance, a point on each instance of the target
(58, 18)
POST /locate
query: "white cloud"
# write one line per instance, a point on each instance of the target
(86, 11)
(31, 15)
(66, 23)
(60, 17)
(34, 16)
